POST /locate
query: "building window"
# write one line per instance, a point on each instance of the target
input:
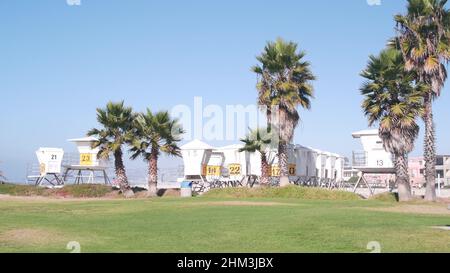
(440, 161)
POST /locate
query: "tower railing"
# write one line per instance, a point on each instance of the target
(359, 159)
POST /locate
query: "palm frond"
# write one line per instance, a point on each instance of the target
(284, 79)
(393, 99)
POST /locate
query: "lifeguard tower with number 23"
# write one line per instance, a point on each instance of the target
(89, 164)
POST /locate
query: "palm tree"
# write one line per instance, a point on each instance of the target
(155, 134)
(2, 177)
(284, 83)
(116, 120)
(395, 101)
(260, 140)
(424, 38)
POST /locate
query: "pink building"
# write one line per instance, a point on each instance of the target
(416, 166)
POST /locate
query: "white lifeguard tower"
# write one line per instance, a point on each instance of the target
(373, 160)
(88, 163)
(235, 163)
(195, 155)
(206, 166)
(305, 161)
(50, 161)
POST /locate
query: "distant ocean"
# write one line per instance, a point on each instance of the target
(136, 176)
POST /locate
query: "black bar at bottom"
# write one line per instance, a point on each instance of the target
(225, 262)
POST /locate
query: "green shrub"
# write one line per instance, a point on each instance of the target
(353, 180)
(77, 191)
(84, 191)
(285, 192)
(386, 197)
(21, 190)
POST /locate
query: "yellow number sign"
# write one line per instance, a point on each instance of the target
(292, 169)
(85, 159)
(211, 170)
(275, 171)
(42, 169)
(234, 169)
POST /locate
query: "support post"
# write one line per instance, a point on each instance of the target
(357, 183)
(439, 185)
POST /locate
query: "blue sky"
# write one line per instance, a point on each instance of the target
(60, 62)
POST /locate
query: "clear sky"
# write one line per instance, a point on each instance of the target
(60, 62)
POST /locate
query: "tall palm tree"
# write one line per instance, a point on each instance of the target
(117, 121)
(155, 133)
(260, 140)
(424, 38)
(2, 177)
(395, 101)
(284, 83)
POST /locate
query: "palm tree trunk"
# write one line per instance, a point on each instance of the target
(430, 151)
(402, 177)
(283, 162)
(286, 130)
(264, 170)
(120, 171)
(153, 174)
(2, 178)
(269, 118)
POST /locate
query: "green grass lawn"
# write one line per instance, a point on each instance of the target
(206, 224)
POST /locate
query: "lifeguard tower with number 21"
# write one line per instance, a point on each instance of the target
(49, 166)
